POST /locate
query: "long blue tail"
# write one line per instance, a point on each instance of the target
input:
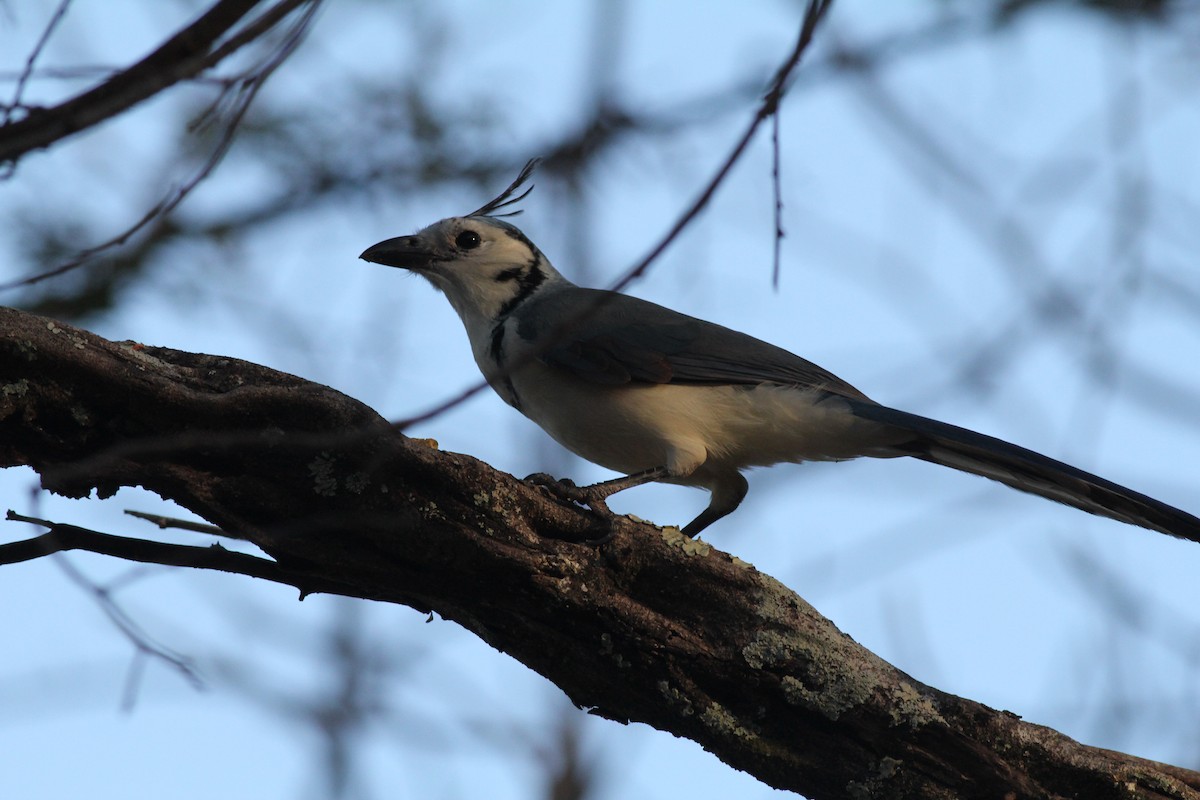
(966, 450)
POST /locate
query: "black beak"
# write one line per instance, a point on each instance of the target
(408, 252)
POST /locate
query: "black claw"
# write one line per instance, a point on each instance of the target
(560, 486)
(566, 490)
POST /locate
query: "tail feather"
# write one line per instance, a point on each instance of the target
(962, 449)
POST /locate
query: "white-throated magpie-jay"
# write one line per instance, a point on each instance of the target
(661, 396)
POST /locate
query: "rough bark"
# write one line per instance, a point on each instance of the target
(651, 627)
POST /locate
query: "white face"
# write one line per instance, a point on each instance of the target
(482, 264)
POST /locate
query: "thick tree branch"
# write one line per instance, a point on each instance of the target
(652, 627)
(189, 52)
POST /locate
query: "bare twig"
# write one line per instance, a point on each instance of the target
(245, 89)
(184, 55)
(179, 524)
(768, 107)
(776, 183)
(27, 70)
(62, 537)
(1053, 301)
(142, 642)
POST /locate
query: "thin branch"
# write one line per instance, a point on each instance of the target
(55, 543)
(133, 679)
(768, 107)
(143, 644)
(262, 25)
(338, 179)
(776, 183)
(1130, 605)
(1050, 300)
(27, 70)
(246, 89)
(185, 54)
(179, 524)
(62, 73)
(61, 538)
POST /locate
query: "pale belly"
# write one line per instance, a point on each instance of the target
(692, 429)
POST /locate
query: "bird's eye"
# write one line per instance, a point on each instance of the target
(467, 240)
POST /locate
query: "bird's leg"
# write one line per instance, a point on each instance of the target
(727, 495)
(596, 495)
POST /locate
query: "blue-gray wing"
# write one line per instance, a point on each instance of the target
(614, 339)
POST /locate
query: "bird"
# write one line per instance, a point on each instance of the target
(657, 395)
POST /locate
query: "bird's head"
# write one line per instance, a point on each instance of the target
(485, 266)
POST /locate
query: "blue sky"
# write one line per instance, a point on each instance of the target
(930, 208)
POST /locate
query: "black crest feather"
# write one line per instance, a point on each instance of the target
(506, 199)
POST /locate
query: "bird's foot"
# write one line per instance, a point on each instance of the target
(593, 497)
